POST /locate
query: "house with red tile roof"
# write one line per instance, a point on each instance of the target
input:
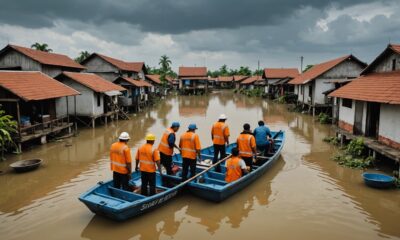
(112, 68)
(313, 85)
(277, 80)
(155, 80)
(98, 98)
(32, 99)
(238, 79)
(13, 57)
(193, 80)
(137, 94)
(225, 82)
(370, 104)
(252, 82)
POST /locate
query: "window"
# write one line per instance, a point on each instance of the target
(98, 99)
(394, 65)
(347, 103)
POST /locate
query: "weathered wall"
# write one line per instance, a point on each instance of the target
(86, 103)
(346, 115)
(389, 124)
(320, 87)
(347, 69)
(386, 64)
(16, 59)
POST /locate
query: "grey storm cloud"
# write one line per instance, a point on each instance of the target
(161, 16)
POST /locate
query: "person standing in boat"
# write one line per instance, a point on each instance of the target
(220, 137)
(263, 138)
(246, 144)
(121, 162)
(190, 146)
(147, 159)
(235, 167)
(166, 146)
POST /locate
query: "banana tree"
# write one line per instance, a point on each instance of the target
(7, 127)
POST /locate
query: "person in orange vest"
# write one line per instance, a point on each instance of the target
(220, 137)
(147, 159)
(166, 146)
(121, 162)
(246, 144)
(235, 167)
(190, 150)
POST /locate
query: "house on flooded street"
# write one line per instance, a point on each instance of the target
(98, 98)
(277, 80)
(14, 57)
(110, 68)
(370, 104)
(155, 80)
(32, 98)
(313, 86)
(193, 80)
(252, 83)
(225, 82)
(136, 96)
(237, 79)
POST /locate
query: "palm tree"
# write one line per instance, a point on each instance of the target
(165, 68)
(223, 70)
(44, 47)
(82, 56)
(7, 127)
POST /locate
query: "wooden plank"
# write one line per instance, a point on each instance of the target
(9, 100)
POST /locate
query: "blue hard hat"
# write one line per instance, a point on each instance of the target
(175, 124)
(192, 126)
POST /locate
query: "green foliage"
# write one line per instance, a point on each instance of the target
(82, 56)
(308, 67)
(223, 70)
(281, 99)
(324, 118)
(44, 47)
(256, 92)
(7, 127)
(258, 72)
(354, 155)
(331, 140)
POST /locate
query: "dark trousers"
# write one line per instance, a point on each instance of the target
(148, 182)
(248, 161)
(263, 149)
(186, 164)
(166, 161)
(219, 150)
(121, 180)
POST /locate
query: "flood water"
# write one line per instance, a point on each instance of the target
(304, 195)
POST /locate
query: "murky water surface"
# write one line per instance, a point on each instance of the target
(305, 195)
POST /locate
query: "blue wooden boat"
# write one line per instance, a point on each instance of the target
(212, 185)
(377, 180)
(117, 204)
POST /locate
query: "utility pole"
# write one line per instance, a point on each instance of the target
(301, 63)
(258, 68)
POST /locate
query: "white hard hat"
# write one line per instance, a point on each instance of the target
(222, 116)
(124, 136)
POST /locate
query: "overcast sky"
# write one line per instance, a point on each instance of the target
(206, 32)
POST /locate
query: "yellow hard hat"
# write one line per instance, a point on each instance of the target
(150, 137)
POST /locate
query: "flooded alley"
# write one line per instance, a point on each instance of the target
(304, 194)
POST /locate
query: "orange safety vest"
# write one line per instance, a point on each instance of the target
(245, 144)
(219, 131)
(233, 169)
(120, 156)
(147, 158)
(189, 143)
(164, 146)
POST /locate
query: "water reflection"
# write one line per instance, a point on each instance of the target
(193, 106)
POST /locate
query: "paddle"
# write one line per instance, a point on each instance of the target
(206, 170)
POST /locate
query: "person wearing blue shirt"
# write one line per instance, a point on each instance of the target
(263, 137)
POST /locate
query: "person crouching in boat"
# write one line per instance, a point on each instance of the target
(189, 144)
(147, 159)
(235, 167)
(263, 138)
(121, 162)
(246, 144)
(166, 146)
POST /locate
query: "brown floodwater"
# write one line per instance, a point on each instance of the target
(305, 195)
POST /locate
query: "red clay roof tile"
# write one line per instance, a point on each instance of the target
(192, 72)
(47, 58)
(251, 80)
(122, 65)
(137, 83)
(93, 81)
(281, 72)
(225, 78)
(238, 78)
(374, 87)
(317, 70)
(32, 86)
